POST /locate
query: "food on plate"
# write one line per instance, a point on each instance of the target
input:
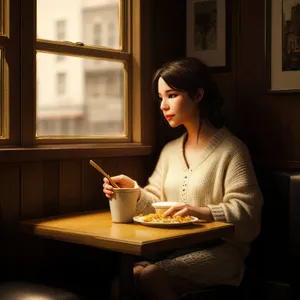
(158, 218)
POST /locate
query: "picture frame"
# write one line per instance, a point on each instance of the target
(283, 46)
(208, 32)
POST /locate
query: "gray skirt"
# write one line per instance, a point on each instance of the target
(206, 264)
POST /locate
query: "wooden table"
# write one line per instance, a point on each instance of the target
(96, 229)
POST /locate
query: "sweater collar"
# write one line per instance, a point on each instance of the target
(214, 142)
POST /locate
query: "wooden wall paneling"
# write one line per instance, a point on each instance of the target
(226, 81)
(169, 37)
(251, 79)
(51, 249)
(269, 123)
(142, 169)
(10, 213)
(70, 191)
(92, 195)
(31, 250)
(125, 165)
(32, 205)
(108, 165)
(138, 171)
(51, 187)
(111, 166)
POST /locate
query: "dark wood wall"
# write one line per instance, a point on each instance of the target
(34, 189)
(268, 123)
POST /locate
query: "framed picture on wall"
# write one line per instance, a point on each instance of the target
(283, 45)
(208, 32)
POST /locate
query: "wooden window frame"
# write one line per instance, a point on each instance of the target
(10, 44)
(23, 145)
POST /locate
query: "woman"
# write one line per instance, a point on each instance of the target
(209, 170)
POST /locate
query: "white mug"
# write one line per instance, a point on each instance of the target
(123, 204)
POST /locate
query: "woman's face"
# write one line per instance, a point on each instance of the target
(178, 108)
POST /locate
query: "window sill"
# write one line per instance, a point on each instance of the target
(78, 151)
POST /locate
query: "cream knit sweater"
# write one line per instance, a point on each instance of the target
(223, 180)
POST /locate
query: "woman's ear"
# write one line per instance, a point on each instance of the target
(199, 95)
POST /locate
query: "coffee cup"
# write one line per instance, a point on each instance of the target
(123, 204)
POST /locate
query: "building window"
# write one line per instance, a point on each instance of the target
(97, 33)
(60, 29)
(111, 34)
(61, 83)
(60, 35)
(59, 58)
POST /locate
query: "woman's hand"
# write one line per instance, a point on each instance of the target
(184, 209)
(180, 210)
(122, 181)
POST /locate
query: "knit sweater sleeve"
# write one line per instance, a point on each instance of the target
(152, 191)
(242, 199)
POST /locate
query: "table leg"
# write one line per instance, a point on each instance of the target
(126, 277)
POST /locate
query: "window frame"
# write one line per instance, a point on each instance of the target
(28, 32)
(10, 44)
(140, 116)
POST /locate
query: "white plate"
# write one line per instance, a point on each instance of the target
(140, 220)
(165, 204)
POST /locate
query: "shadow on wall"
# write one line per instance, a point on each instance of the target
(280, 242)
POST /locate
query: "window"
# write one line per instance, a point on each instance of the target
(71, 98)
(60, 28)
(60, 35)
(76, 101)
(111, 34)
(97, 34)
(61, 83)
(59, 58)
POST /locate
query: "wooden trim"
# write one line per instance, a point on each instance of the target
(81, 50)
(147, 104)
(5, 106)
(11, 68)
(135, 46)
(61, 152)
(5, 93)
(4, 41)
(142, 70)
(128, 70)
(81, 140)
(28, 72)
(2, 19)
(268, 13)
(127, 115)
(6, 11)
(124, 26)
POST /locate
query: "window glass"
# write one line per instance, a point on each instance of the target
(92, 22)
(79, 97)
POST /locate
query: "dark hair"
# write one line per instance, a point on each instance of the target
(188, 75)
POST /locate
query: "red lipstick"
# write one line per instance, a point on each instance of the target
(169, 117)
